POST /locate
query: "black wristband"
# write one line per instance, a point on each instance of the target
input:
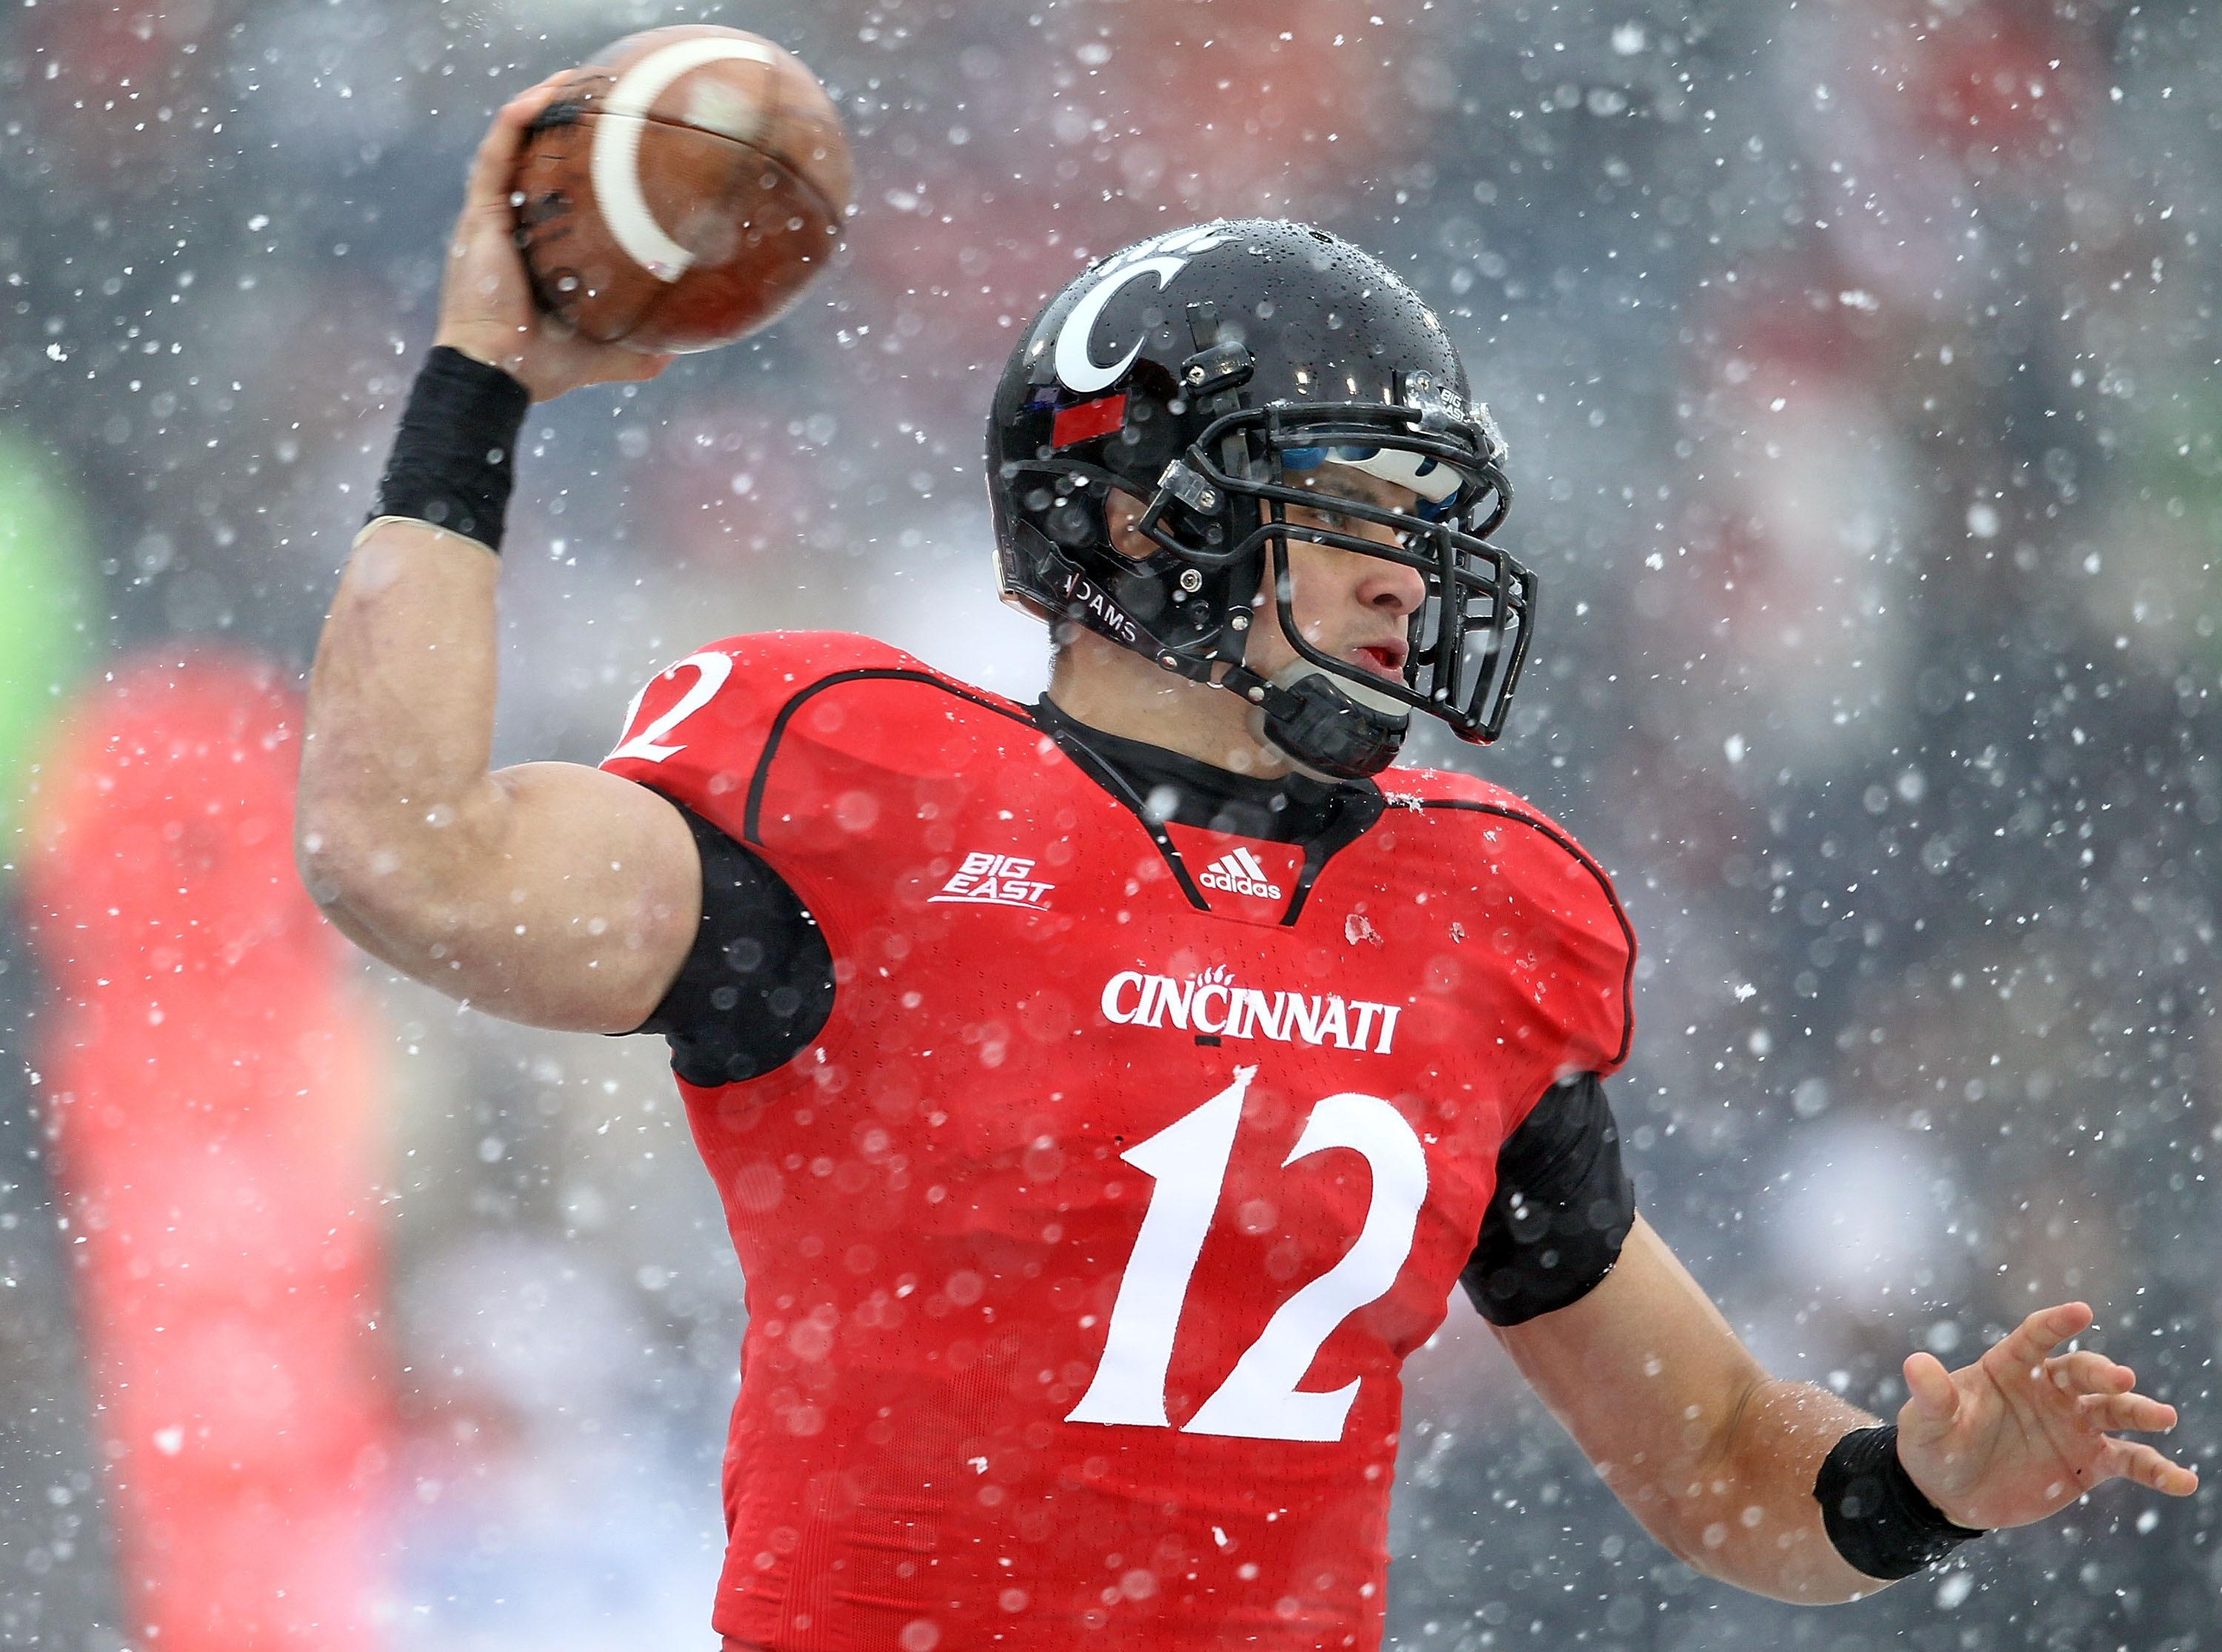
(454, 457)
(1881, 1523)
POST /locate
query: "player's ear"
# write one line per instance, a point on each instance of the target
(1122, 511)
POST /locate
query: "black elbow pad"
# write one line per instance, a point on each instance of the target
(1562, 1209)
(758, 984)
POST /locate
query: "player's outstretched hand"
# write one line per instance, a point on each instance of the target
(485, 298)
(2020, 1434)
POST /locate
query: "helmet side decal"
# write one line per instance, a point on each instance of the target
(1165, 257)
(1079, 371)
(1083, 593)
(1087, 420)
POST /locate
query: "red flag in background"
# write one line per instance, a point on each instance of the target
(210, 1089)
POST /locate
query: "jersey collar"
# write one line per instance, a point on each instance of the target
(1295, 809)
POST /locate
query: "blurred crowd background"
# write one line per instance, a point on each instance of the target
(1860, 364)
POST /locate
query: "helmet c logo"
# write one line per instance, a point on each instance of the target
(1074, 365)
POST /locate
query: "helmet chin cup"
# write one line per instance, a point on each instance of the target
(1330, 729)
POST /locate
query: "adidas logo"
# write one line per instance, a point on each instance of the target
(1240, 874)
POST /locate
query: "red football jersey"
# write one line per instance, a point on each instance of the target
(1084, 1243)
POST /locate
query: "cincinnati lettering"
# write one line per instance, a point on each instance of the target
(1133, 1000)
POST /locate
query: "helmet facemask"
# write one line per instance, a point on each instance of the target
(1192, 371)
(1466, 643)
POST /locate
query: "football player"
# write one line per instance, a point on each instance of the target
(1107, 1093)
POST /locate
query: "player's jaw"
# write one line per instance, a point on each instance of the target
(1356, 632)
(1354, 608)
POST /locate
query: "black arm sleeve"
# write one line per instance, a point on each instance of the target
(759, 982)
(1562, 1209)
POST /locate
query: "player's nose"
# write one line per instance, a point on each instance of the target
(1392, 587)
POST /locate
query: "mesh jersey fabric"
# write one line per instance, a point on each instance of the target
(758, 985)
(1084, 1240)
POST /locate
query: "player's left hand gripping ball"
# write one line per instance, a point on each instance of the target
(682, 189)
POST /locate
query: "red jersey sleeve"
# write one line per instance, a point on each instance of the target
(696, 730)
(1543, 900)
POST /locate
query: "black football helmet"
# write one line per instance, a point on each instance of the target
(1199, 371)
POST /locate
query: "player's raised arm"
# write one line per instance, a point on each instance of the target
(548, 893)
(1784, 1489)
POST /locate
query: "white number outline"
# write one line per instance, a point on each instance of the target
(713, 668)
(1258, 1400)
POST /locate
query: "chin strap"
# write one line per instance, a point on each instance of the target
(1318, 726)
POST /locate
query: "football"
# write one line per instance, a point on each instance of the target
(681, 190)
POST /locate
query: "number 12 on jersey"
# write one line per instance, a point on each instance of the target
(1259, 1399)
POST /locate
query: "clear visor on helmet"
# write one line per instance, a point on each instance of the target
(1435, 482)
(1468, 638)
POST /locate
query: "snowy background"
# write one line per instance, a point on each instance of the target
(1859, 362)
